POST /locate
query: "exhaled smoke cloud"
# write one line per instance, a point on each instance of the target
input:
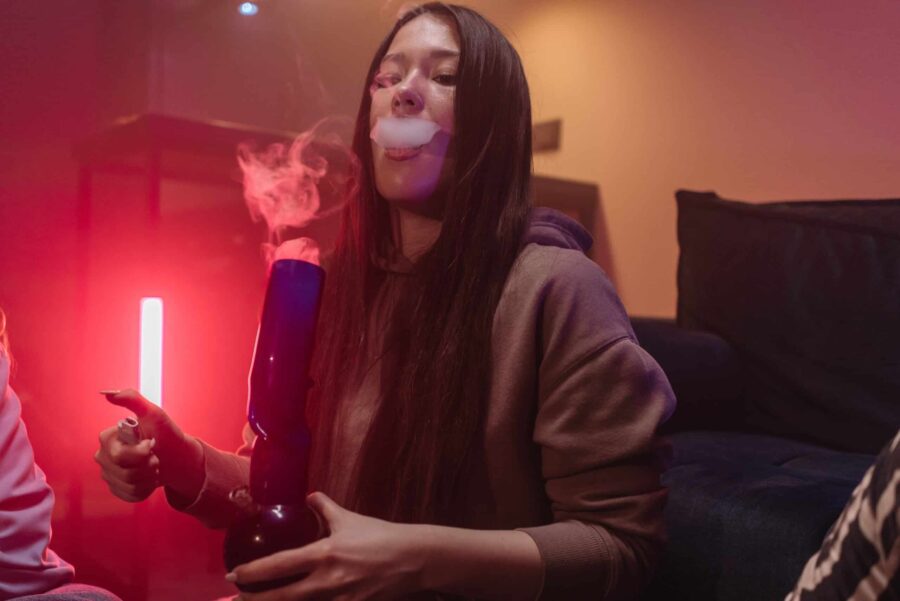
(291, 185)
(408, 132)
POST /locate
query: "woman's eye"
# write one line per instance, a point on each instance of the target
(383, 81)
(447, 79)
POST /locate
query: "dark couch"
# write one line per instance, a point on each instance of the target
(785, 359)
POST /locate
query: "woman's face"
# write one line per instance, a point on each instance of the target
(417, 78)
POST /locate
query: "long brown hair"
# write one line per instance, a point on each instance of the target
(435, 373)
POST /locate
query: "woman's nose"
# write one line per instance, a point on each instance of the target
(407, 101)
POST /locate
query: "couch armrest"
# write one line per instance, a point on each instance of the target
(704, 370)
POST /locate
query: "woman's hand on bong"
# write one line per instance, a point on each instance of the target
(361, 558)
(165, 455)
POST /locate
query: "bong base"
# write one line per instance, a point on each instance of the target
(261, 533)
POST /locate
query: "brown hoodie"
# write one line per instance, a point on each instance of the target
(571, 447)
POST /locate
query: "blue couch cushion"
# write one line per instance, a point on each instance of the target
(746, 511)
(808, 294)
(704, 371)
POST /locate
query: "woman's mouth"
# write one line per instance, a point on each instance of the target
(402, 154)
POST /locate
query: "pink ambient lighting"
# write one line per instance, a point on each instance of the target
(151, 349)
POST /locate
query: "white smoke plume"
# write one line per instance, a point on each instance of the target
(291, 185)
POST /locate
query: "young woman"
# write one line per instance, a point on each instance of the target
(27, 564)
(485, 418)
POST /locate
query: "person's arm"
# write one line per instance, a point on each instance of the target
(485, 564)
(600, 401)
(197, 477)
(27, 565)
(372, 558)
(602, 477)
(222, 473)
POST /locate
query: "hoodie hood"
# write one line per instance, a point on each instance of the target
(550, 227)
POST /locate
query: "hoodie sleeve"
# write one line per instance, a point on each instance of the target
(600, 401)
(27, 565)
(224, 472)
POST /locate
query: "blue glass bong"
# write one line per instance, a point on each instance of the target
(273, 515)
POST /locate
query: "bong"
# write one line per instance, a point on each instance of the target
(273, 515)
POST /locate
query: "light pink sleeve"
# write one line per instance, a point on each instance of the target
(27, 565)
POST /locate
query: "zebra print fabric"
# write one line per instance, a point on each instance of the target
(859, 559)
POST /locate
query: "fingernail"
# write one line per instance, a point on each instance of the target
(110, 392)
(230, 577)
(152, 442)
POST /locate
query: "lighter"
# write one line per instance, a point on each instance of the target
(128, 428)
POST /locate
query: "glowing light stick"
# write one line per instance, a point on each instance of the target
(151, 349)
(407, 132)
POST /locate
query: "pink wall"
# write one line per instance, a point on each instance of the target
(757, 100)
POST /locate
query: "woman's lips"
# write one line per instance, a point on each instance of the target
(402, 154)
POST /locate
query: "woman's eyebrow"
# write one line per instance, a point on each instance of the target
(436, 53)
